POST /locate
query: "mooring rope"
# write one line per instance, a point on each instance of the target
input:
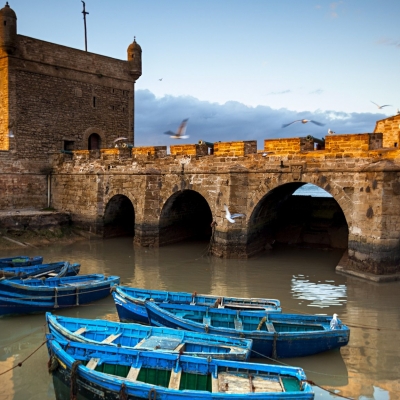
(308, 381)
(20, 363)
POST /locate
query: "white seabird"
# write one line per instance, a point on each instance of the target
(303, 121)
(230, 217)
(180, 133)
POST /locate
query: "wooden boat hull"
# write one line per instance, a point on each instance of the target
(130, 302)
(20, 261)
(57, 269)
(290, 335)
(17, 297)
(98, 372)
(138, 336)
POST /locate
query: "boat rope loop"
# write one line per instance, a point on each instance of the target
(152, 394)
(74, 387)
(263, 319)
(122, 392)
(206, 328)
(274, 352)
(52, 364)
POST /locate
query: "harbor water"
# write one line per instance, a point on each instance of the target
(303, 279)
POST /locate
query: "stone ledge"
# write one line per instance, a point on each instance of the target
(368, 276)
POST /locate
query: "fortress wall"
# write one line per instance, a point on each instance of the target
(391, 129)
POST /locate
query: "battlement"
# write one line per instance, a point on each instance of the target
(391, 129)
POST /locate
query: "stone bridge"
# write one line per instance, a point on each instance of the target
(161, 197)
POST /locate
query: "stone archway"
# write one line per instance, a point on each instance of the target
(185, 215)
(119, 217)
(299, 220)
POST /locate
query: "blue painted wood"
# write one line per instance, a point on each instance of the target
(118, 374)
(273, 335)
(58, 269)
(130, 302)
(20, 261)
(18, 296)
(148, 338)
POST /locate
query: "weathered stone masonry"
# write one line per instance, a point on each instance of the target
(363, 178)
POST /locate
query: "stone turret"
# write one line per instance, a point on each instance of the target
(8, 30)
(135, 60)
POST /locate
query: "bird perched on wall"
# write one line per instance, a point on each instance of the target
(303, 121)
(380, 107)
(180, 133)
(230, 217)
(330, 132)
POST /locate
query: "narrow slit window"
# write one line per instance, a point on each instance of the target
(94, 101)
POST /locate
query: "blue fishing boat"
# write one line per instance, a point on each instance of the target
(20, 261)
(273, 335)
(51, 270)
(147, 338)
(18, 296)
(110, 372)
(130, 302)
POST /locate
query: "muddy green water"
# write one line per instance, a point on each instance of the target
(304, 280)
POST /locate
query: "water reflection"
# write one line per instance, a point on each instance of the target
(368, 368)
(320, 294)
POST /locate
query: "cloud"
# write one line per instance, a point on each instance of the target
(282, 92)
(317, 91)
(333, 8)
(234, 121)
(389, 42)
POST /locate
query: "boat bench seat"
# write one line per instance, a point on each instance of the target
(133, 374)
(270, 327)
(92, 364)
(233, 382)
(80, 331)
(183, 314)
(111, 338)
(175, 379)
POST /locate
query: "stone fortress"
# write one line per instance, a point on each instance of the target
(62, 109)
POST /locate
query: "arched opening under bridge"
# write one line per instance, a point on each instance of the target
(292, 215)
(119, 217)
(185, 215)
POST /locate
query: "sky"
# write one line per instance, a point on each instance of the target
(240, 69)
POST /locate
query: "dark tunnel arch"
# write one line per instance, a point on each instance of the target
(301, 220)
(185, 215)
(119, 217)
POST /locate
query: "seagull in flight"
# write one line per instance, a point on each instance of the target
(160, 79)
(230, 217)
(380, 107)
(303, 121)
(180, 133)
(330, 132)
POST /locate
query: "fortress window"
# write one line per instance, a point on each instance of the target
(395, 144)
(94, 101)
(68, 145)
(5, 23)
